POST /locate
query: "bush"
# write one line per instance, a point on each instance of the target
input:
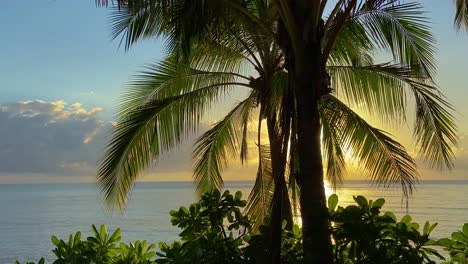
(214, 230)
(363, 235)
(99, 248)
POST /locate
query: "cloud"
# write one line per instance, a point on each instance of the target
(40, 141)
(50, 138)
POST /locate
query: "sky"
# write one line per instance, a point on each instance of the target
(61, 77)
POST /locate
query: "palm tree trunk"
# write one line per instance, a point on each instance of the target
(317, 244)
(308, 80)
(281, 209)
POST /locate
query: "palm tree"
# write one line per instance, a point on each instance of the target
(211, 65)
(309, 41)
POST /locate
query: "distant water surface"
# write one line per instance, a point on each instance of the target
(30, 214)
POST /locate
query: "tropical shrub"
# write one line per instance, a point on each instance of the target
(362, 234)
(457, 246)
(41, 261)
(100, 248)
(214, 230)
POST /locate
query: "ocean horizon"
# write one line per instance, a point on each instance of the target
(31, 213)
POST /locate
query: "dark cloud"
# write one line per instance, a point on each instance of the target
(51, 138)
(44, 140)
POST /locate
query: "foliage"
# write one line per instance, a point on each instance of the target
(102, 247)
(41, 261)
(363, 235)
(214, 230)
(457, 245)
(136, 253)
(291, 245)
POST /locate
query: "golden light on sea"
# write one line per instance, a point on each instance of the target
(328, 191)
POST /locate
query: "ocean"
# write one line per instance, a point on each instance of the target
(30, 214)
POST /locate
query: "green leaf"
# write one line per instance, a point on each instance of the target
(391, 215)
(77, 239)
(361, 200)
(238, 195)
(332, 202)
(296, 230)
(103, 234)
(459, 236)
(115, 236)
(55, 241)
(426, 228)
(378, 203)
(433, 226)
(406, 219)
(465, 229)
(444, 242)
(95, 231)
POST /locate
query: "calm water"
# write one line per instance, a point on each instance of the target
(29, 214)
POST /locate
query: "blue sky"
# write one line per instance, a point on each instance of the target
(61, 49)
(59, 52)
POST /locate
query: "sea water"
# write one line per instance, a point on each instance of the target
(30, 214)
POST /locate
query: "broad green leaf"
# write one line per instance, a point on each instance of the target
(332, 202)
(465, 229)
(238, 195)
(55, 241)
(361, 200)
(379, 203)
(391, 215)
(459, 236)
(406, 219)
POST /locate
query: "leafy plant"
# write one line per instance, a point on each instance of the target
(101, 248)
(457, 246)
(71, 252)
(41, 261)
(213, 231)
(363, 235)
(136, 253)
(291, 245)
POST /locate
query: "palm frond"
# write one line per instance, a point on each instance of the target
(332, 148)
(293, 186)
(170, 78)
(180, 22)
(435, 127)
(261, 196)
(219, 145)
(352, 45)
(400, 28)
(385, 161)
(461, 14)
(377, 89)
(141, 22)
(143, 133)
